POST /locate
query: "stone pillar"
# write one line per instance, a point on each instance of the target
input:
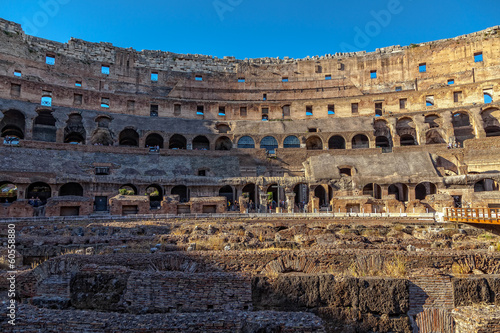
(411, 192)
(28, 133)
(314, 205)
(290, 201)
(263, 201)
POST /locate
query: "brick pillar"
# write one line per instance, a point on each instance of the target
(290, 201)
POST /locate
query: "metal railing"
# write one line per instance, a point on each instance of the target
(473, 215)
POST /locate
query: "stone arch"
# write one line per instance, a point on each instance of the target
(322, 194)
(373, 190)
(491, 121)
(405, 128)
(269, 143)
(382, 142)
(102, 135)
(360, 141)
(462, 127)
(13, 124)
(250, 189)
(71, 189)
(177, 141)
(39, 190)
(424, 189)
(128, 189)
(201, 143)
(223, 128)
(400, 191)
(227, 192)
(433, 120)
(155, 194)
(301, 191)
(314, 142)
(74, 132)
(223, 143)
(129, 137)
(485, 185)
(246, 142)
(336, 142)
(292, 263)
(182, 191)
(153, 140)
(433, 137)
(291, 141)
(44, 126)
(8, 192)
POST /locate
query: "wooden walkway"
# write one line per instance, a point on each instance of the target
(473, 215)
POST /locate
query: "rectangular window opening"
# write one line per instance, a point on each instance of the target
(102, 171)
(222, 110)
(153, 111)
(46, 98)
(50, 60)
(78, 99)
(451, 81)
(177, 109)
(154, 77)
(198, 78)
(243, 111)
(105, 69)
(265, 114)
(105, 102)
(399, 88)
(264, 97)
(78, 84)
(378, 109)
(241, 80)
(131, 105)
(15, 90)
(309, 110)
(328, 77)
(402, 103)
(331, 110)
(429, 101)
(200, 110)
(312, 130)
(354, 108)
(373, 74)
(284, 79)
(478, 57)
(422, 68)
(457, 96)
(17, 73)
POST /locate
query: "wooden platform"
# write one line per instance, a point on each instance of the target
(473, 215)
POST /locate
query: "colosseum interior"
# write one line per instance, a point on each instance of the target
(353, 154)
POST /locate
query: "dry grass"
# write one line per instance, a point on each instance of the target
(344, 231)
(460, 268)
(486, 236)
(210, 244)
(37, 263)
(378, 266)
(370, 233)
(398, 227)
(497, 247)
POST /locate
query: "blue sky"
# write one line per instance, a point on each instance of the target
(252, 28)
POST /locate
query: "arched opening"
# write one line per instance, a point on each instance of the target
(433, 120)
(407, 140)
(129, 137)
(155, 194)
(177, 142)
(488, 98)
(102, 135)
(246, 142)
(400, 191)
(249, 190)
(382, 142)
(182, 192)
(291, 142)
(272, 195)
(154, 140)
(74, 132)
(223, 143)
(71, 189)
(320, 193)
(8, 192)
(44, 127)
(314, 143)
(269, 143)
(201, 143)
(433, 137)
(128, 189)
(405, 128)
(462, 128)
(301, 195)
(373, 190)
(12, 124)
(424, 189)
(486, 185)
(336, 142)
(360, 141)
(227, 192)
(40, 191)
(491, 122)
(223, 128)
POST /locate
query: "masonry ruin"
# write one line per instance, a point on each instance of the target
(93, 134)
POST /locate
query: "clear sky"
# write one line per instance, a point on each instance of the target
(252, 28)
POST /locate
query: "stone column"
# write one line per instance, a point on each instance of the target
(290, 201)
(263, 201)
